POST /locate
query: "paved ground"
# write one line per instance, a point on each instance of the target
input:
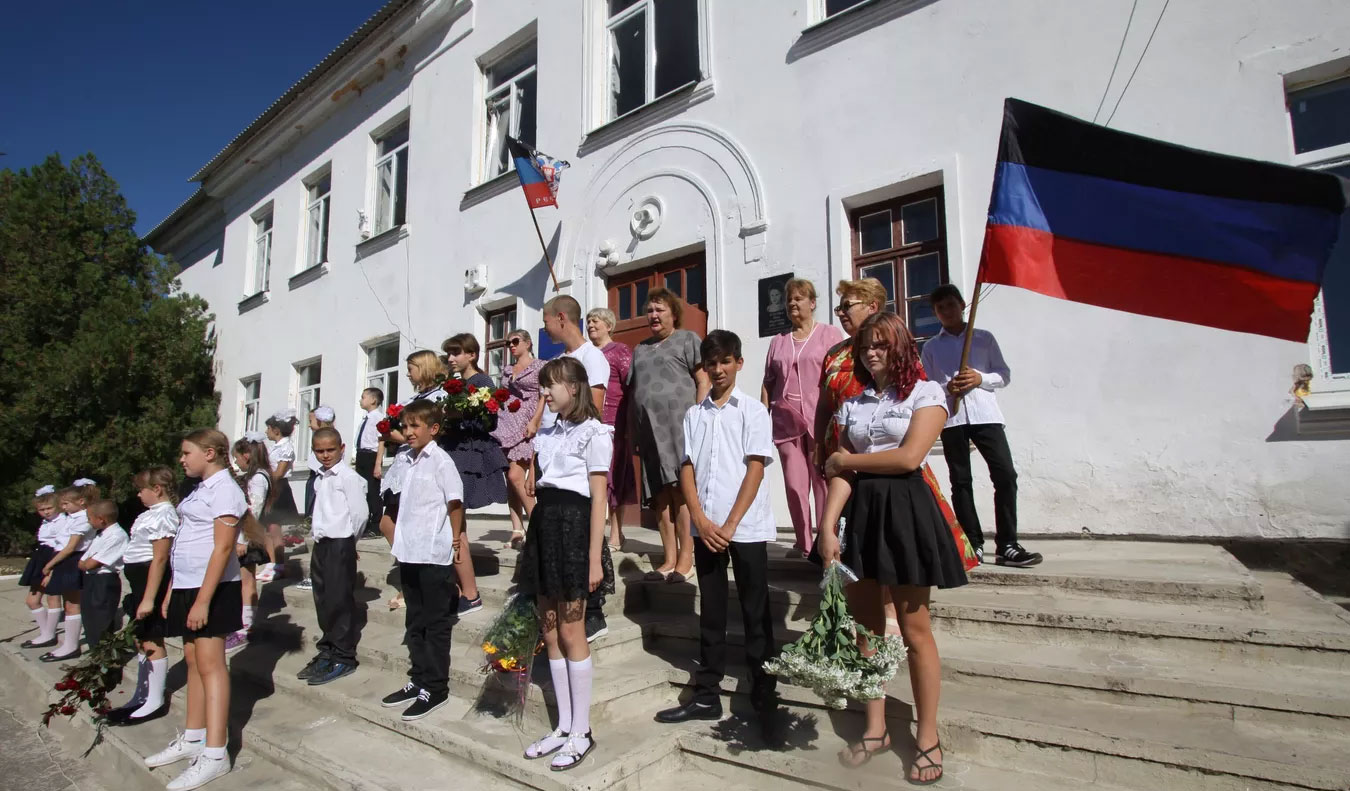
(32, 759)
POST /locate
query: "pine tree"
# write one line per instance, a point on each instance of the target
(104, 362)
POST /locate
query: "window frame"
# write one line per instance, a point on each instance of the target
(901, 252)
(488, 157)
(385, 221)
(601, 49)
(323, 203)
(260, 268)
(820, 14)
(387, 379)
(250, 409)
(307, 398)
(510, 323)
(654, 276)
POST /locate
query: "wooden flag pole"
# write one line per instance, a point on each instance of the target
(970, 328)
(547, 257)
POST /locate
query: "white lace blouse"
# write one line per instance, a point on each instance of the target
(569, 452)
(879, 421)
(158, 521)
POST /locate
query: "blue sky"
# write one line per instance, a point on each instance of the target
(153, 88)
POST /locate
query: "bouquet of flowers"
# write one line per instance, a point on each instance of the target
(392, 420)
(509, 648)
(87, 684)
(477, 404)
(828, 658)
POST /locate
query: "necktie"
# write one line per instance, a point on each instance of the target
(361, 432)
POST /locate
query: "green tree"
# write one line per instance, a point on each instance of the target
(104, 362)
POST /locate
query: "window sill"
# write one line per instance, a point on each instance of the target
(849, 23)
(381, 241)
(307, 276)
(250, 302)
(655, 111)
(497, 185)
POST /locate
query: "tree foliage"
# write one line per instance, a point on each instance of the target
(104, 362)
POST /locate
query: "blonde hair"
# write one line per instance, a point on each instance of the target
(524, 336)
(604, 314)
(566, 305)
(802, 285)
(868, 290)
(48, 500)
(107, 509)
(429, 364)
(210, 439)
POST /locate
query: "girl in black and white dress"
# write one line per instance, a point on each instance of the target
(565, 557)
(147, 569)
(204, 606)
(48, 509)
(281, 509)
(61, 573)
(250, 456)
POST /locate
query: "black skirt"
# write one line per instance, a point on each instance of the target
(32, 573)
(391, 505)
(151, 627)
(224, 616)
(896, 534)
(282, 511)
(253, 557)
(66, 577)
(556, 560)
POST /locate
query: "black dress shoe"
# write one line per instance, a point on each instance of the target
(50, 657)
(154, 715)
(117, 715)
(35, 644)
(692, 710)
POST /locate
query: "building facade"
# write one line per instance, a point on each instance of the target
(715, 145)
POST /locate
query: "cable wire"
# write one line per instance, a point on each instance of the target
(1116, 65)
(1138, 62)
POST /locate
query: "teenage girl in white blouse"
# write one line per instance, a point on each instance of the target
(565, 556)
(250, 455)
(281, 506)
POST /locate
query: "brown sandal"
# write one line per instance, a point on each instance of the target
(925, 755)
(854, 750)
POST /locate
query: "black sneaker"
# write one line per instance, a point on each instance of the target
(467, 606)
(401, 698)
(424, 705)
(1017, 557)
(596, 627)
(309, 669)
(979, 555)
(331, 671)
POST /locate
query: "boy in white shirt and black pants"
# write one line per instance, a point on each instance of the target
(102, 567)
(424, 546)
(728, 441)
(977, 420)
(368, 457)
(340, 514)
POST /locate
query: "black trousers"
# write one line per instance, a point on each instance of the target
(750, 564)
(98, 605)
(992, 443)
(332, 570)
(431, 600)
(365, 466)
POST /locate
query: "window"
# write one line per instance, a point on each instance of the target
(686, 276)
(1319, 118)
(500, 323)
(391, 178)
(262, 252)
(653, 49)
(511, 107)
(382, 369)
(902, 242)
(252, 400)
(831, 7)
(316, 246)
(307, 377)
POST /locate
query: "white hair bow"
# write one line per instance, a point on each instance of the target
(288, 413)
(254, 436)
(326, 414)
(45, 490)
(84, 482)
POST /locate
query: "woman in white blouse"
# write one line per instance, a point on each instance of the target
(896, 538)
(565, 557)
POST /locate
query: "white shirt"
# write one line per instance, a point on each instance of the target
(392, 480)
(569, 452)
(597, 374)
(217, 496)
(879, 421)
(158, 521)
(50, 530)
(941, 360)
(367, 436)
(258, 487)
(76, 524)
(281, 450)
(718, 442)
(340, 509)
(107, 548)
(422, 533)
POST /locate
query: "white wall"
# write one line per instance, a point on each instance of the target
(1119, 423)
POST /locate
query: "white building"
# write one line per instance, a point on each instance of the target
(363, 216)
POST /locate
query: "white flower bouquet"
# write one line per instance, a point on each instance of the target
(829, 660)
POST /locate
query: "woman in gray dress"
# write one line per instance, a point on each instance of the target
(666, 379)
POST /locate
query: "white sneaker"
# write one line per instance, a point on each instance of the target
(177, 750)
(202, 771)
(266, 573)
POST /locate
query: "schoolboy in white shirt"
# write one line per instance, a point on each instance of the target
(340, 513)
(102, 567)
(367, 459)
(728, 441)
(424, 546)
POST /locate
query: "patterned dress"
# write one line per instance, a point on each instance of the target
(837, 385)
(622, 487)
(662, 389)
(477, 456)
(510, 431)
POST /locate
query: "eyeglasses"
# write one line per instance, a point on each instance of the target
(514, 342)
(845, 306)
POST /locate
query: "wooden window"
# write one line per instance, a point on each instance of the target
(500, 323)
(686, 276)
(252, 401)
(307, 378)
(383, 368)
(903, 243)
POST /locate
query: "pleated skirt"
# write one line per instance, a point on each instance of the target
(896, 535)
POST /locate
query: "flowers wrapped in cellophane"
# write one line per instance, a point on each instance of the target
(828, 660)
(509, 647)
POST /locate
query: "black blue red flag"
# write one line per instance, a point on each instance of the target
(539, 173)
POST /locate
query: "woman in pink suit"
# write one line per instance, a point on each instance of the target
(622, 486)
(790, 391)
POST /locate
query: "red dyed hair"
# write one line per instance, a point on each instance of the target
(902, 357)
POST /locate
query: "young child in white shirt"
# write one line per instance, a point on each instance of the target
(281, 504)
(250, 456)
(565, 558)
(340, 513)
(728, 441)
(101, 563)
(61, 574)
(46, 505)
(432, 496)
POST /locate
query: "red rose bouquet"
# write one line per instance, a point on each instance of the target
(392, 421)
(473, 404)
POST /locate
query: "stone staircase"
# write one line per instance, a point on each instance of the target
(1114, 665)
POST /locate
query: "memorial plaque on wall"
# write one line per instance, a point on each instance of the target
(773, 317)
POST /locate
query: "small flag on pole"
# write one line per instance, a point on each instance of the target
(539, 173)
(1089, 214)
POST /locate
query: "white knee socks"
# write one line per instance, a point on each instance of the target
(154, 690)
(44, 633)
(70, 640)
(579, 681)
(53, 621)
(142, 682)
(561, 691)
(248, 617)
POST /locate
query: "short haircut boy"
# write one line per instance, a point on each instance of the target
(721, 344)
(105, 509)
(375, 393)
(326, 432)
(566, 305)
(946, 291)
(425, 410)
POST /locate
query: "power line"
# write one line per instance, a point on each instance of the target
(1138, 62)
(1114, 66)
